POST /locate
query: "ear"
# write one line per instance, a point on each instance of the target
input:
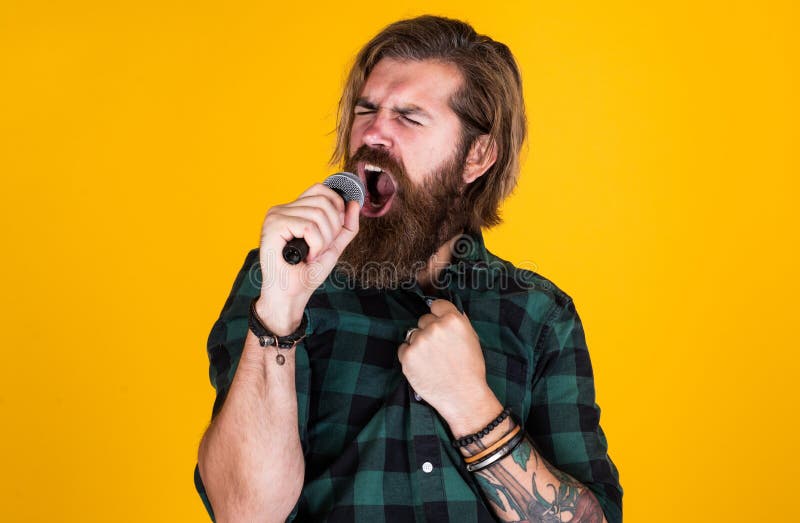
(482, 155)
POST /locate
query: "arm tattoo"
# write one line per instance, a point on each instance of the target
(560, 501)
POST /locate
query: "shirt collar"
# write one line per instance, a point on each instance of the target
(470, 248)
(472, 266)
(470, 262)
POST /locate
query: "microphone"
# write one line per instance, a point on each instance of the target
(350, 188)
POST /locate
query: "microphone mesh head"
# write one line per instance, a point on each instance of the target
(348, 185)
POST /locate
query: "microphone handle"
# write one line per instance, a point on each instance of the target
(295, 251)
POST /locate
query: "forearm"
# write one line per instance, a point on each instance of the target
(250, 458)
(523, 486)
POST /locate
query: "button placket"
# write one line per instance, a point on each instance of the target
(427, 458)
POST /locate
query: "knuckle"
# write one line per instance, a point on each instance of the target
(333, 202)
(324, 210)
(451, 318)
(311, 232)
(319, 214)
(331, 199)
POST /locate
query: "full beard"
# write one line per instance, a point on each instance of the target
(390, 251)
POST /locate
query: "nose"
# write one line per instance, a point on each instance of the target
(377, 131)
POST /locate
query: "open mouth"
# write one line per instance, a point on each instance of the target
(381, 189)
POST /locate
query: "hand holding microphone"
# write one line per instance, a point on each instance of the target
(350, 188)
(315, 228)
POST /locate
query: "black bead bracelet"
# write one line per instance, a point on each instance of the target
(472, 438)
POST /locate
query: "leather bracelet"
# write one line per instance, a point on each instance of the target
(494, 446)
(466, 440)
(267, 338)
(499, 454)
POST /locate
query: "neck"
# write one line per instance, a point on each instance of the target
(436, 264)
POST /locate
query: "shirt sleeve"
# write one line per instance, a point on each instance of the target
(225, 346)
(565, 419)
(226, 342)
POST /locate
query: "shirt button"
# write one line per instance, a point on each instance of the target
(417, 397)
(427, 467)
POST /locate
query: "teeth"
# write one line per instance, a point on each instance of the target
(372, 168)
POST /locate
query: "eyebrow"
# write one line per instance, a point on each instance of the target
(405, 110)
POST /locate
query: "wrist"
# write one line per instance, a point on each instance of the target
(258, 358)
(268, 338)
(475, 415)
(282, 321)
(496, 434)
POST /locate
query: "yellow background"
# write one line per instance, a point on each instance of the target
(142, 142)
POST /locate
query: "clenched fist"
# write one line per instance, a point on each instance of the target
(444, 364)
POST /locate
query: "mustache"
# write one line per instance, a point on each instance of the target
(378, 157)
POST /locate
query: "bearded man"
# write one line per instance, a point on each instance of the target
(417, 376)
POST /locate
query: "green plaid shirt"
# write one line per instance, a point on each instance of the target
(375, 452)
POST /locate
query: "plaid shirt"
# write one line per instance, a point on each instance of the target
(375, 452)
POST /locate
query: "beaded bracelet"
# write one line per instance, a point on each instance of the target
(472, 438)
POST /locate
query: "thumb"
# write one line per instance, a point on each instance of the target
(345, 236)
(441, 307)
(350, 227)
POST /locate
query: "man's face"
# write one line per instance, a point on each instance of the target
(404, 111)
(406, 146)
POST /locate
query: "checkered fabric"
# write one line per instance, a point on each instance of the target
(376, 452)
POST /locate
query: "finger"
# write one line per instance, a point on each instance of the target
(441, 307)
(426, 319)
(288, 227)
(402, 350)
(316, 216)
(352, 213)
(334, 212)
(319, 189)
(345, 236)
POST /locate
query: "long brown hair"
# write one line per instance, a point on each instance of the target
(489, 102)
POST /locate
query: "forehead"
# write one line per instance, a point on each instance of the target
(428, 84)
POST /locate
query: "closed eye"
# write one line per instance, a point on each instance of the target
(363, 112)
